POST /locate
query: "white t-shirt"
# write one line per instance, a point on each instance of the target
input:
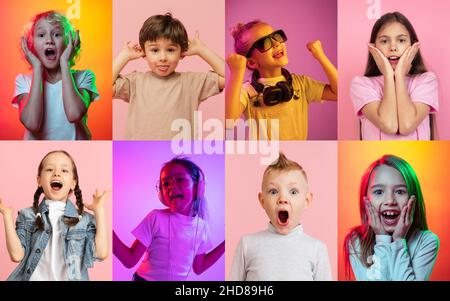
(52, 266)
(270, 256)
(55, 125)
(172, 240)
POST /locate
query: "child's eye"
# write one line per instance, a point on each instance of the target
(273, 191)
(65, 170)
(401, 192)
(171, 49)
(294, 191)
(154, 50)
(377, 192)
(180, 180)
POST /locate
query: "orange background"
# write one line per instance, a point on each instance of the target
(96, 38)
(431, 162)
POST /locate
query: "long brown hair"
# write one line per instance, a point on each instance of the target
(418, 65)
(70, 221)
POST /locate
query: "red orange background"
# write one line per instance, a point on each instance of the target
(430, 161)
(96, 37)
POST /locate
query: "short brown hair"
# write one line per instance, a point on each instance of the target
(164, 26)
(284, 164)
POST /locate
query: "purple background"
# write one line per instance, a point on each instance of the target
(136, 170)
(302, 21)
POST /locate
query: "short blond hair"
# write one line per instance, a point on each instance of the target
(284, 164)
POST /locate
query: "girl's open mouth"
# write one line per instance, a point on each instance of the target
(393, 59)
(56, 185)
(390, 217)
(50, 54)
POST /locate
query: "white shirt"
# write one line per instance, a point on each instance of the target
(51, 266)
(270, 256)
(55, 125)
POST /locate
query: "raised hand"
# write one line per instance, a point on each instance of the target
(29, 56)
(406, 219)
(374, 218)
(132, 51)
(382, 62)
(195, 46)
(236, 62)
(70, 47)
(315, 47)
(405, 62)
(5, 210)
(98, 200)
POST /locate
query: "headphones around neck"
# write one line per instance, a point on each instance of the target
(283, 91)
(200, 196)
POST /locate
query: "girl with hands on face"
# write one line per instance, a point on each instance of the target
(396, 95)
(53, 101)
(393, 241)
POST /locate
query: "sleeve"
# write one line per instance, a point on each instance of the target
(426, 91)
(143, 232)
(86, 80)
(89, 248)
(313, 89)
(322, 269)
(362, 92)
(420, 266)
(206, 84)
(205, 241)
(125, 86)
(238, 272)
(21, 230)
(22, 86)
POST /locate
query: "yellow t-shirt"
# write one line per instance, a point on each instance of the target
(287, 120)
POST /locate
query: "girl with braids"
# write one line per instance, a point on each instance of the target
(393, 241)
(53, 240)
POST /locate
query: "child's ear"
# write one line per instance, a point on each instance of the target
(38, 180)
(252, 64)
(308, 201)
(261, 200)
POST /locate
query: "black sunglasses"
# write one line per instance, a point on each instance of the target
(265, 43)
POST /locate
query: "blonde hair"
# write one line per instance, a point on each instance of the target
(240, 45)
(53, 17)
(284, 164)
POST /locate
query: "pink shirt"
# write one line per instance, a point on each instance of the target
(421, 88)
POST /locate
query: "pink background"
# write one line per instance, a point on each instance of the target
(203, 15)
(243, 183)
(303, 21)
(18, 183)
(429, 19)
(137, 165)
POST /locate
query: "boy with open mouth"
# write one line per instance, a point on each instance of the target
(283, 251)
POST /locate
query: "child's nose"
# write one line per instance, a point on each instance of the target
(282, 199)
(163, 56)
(390, 199)
(393, 46)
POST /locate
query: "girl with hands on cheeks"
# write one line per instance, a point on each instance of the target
(53, 101)
(395, 96)
(393, 241)
(53, 239)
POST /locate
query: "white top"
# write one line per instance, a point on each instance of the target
(270, 256)
(52, 266)
(398, 260)
(172, 240)
(55, 125)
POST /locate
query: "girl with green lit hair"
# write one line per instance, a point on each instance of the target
(393, 241)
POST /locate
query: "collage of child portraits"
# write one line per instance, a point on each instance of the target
(224, 140)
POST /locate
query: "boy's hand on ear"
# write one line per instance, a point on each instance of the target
(236, 62)
(132, 51)
(98, 200)
(29, 56)
(6, 211)
(195, 46)
(315, 47)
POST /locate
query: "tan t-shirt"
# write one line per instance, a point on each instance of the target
(155, 102)
(292, 116)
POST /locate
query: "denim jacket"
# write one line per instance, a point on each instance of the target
(79, 242)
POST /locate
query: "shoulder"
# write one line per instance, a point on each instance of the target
(425, 77)
(315, 243)
(24, 78)
(427, 237)
(26, 214)
(364, 81)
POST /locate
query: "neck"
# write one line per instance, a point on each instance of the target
(267, 73)
(53, 75)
